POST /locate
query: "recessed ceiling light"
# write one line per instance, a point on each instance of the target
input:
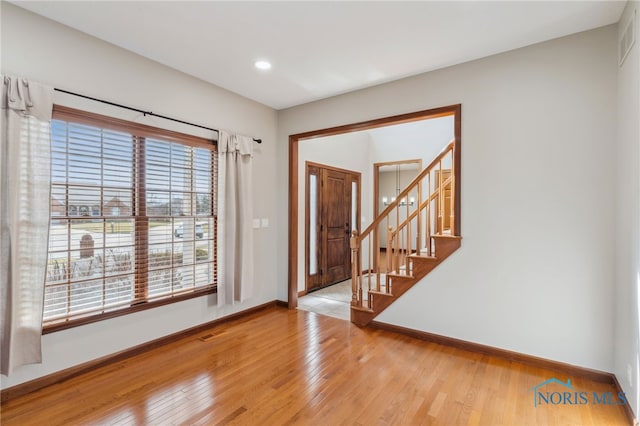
(262, 65)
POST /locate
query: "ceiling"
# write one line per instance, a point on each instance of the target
(321, 49)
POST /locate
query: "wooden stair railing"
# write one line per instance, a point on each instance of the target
(420, 234)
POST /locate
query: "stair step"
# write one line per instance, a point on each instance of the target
(380, 293)
(452, 237)
(394, 275)
(422, 256)
(361, 309)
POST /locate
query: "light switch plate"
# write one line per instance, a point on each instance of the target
(265, 222)
(256, 223)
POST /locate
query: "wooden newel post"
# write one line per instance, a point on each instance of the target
(356, 297)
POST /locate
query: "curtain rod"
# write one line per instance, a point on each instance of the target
(142, 111)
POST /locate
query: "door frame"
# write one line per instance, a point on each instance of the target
(320, 166)
(294, 140)
(376, 196)
(376, 178)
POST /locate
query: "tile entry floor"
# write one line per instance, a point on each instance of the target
(333, 301)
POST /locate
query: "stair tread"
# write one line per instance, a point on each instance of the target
(395, 275)
(422, 256)
(453, 237)
(362, 308)
(381, 293)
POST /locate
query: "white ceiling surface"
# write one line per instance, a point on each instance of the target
(321, 49)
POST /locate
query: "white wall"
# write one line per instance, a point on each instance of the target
(535, 271)
(419, 139)
(627, 184)
(53, 54)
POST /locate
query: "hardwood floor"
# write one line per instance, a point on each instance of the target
(279, 367)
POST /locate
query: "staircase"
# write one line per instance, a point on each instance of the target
(419, 229)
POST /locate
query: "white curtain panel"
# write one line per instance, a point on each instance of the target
(235, 214)
(24, 218)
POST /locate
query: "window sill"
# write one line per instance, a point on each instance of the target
(76, 322)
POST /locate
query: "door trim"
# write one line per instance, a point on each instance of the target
(294, 141)
(376, 178)
(307, 220)
(376, 197)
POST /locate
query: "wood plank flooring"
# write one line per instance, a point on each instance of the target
(281, 367)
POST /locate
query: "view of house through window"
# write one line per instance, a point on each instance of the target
(132, 216)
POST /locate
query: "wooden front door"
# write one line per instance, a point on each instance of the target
(329, 225)
(336, 218)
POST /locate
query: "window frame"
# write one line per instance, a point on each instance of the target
(140, 301)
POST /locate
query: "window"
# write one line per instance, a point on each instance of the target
(133, 220)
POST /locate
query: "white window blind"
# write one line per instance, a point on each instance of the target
(132, 217)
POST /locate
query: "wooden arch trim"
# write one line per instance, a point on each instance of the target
(295, 139)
